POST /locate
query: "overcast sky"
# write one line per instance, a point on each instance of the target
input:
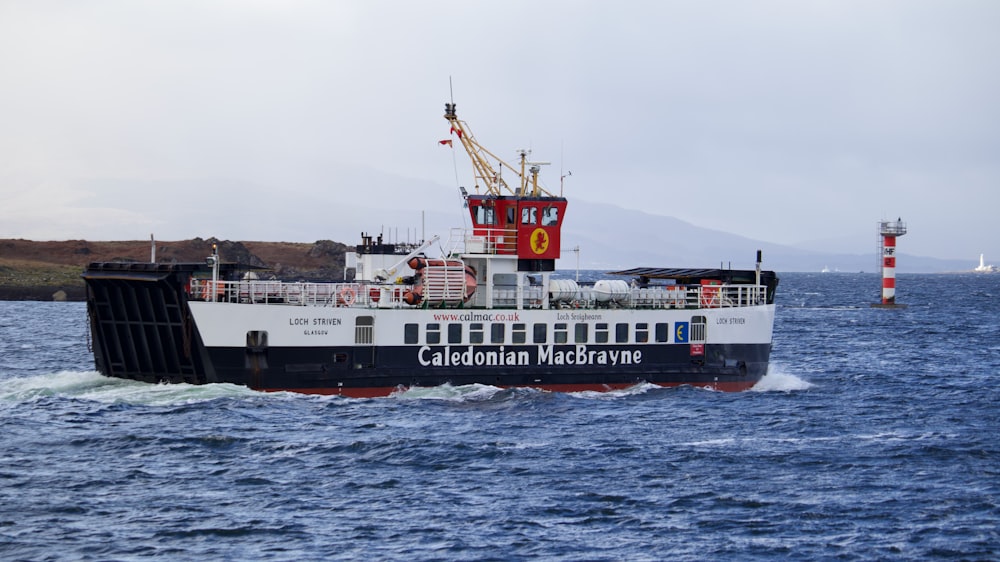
(783, 121)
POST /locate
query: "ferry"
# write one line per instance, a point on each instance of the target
(488, 308)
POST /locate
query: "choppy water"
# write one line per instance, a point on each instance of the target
(875, 436)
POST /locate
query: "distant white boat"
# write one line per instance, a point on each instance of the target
(983, 268)
(825, 270)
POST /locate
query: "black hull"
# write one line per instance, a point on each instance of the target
(379, 371)
(143, 330)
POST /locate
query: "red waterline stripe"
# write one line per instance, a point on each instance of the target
(383, 391)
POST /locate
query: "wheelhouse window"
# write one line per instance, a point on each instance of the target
(485, 215)
(550, 216)
(529, 215)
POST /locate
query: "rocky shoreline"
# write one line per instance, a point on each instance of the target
(51, 271)
(43, 293)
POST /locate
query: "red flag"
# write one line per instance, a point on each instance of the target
(445, 142)
(457, 132)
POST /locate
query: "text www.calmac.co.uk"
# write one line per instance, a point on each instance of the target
(477, 317)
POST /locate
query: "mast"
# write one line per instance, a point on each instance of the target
(492, 179)
(523, 221)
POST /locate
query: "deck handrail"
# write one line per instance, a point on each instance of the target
(373, 295)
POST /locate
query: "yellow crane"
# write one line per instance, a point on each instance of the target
(491, 178)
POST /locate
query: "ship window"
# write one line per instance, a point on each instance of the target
(529, 215)
(257, 338)
(364, 330)
(475, 333)
(340, 358)
(540, 334)
(621, 333)
(550, 216)
(497, 333)
(697, 329)
(507, 279)
(256, 352)
(454, 333)
(485, 215)
(559, 333)
(411, 333)
(510, 215)
(662, 332)
(518, 334)
(581, 333)
(433, 334)
(601, 333)
(641, 332)
(697, 332)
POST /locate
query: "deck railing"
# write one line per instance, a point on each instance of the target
(482, 241)
(370, 295)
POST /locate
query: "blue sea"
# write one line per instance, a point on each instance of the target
(875, 436)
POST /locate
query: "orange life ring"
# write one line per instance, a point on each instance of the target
(348, 295)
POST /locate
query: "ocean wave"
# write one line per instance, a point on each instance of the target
(91, 385)
(779, 380)
(448, 392)
(634, 390)
(482, 392)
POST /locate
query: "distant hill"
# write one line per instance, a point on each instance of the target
(609, 237)
(305, 205)
(612, 237)
(31, 270)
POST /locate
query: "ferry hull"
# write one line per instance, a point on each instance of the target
(146, 327)
(309, 370)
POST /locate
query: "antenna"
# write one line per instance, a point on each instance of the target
(562, 160)
(577, 250)
(568, 173)
(451, 92)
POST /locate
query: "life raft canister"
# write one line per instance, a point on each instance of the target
(711, 293)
